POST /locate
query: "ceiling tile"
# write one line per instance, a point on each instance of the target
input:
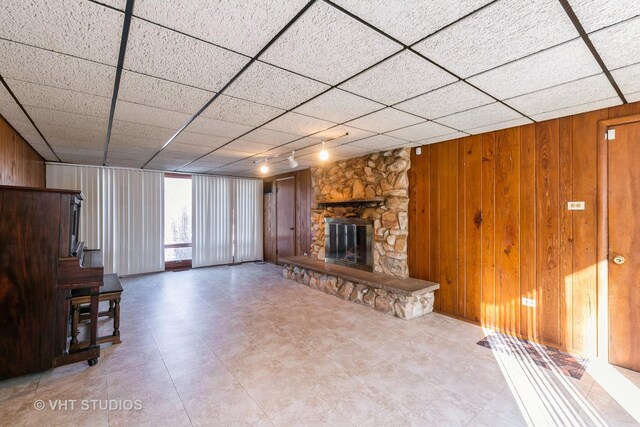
(120, 127)
(338, 106)
(349, 150)
(117, 4)
(215, 127)
(446, 137)
(502, 32)
(343, 134)
(233, 154)
(628, 79)
(269, 137)
(403, 76)
(26, 63)
(184, 151)
(79, 158)
(153, 92)
(79, 28)
(445, 101)
(198, 168)
(577, 109)
(567, 95)
(385, 121)
(618, 45)
(135, 144)
(409, 21)
(327, 45)
(298, 124)
(163, 53)
(633, 97)
(244, 26)
(208, 141)
(561, 64)
(248, 146)
(421, 131)
(379, 142)
(33, 95)
(298, 145)
(481, 116)
(272, 86)
(136, 113)
(597, 14)
(9, 109)
(237, 110)
(501, 125)
(43, 116)
(61, 132)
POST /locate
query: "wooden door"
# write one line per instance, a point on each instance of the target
(285, 217)
(624, 245)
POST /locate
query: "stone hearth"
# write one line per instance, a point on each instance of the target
(403, 298)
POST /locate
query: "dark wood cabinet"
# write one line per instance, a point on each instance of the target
(41, 261)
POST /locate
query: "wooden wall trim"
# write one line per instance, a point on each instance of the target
(20, 164)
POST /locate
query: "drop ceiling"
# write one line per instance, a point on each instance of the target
(217, 87)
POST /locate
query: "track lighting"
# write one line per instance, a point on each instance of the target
(293, 163)
(324, 154)
(265, 168)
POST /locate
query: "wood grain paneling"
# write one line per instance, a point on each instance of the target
(302, 227)
(488, 220)
(20, 164)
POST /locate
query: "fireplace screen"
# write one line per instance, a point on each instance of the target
(348, 241)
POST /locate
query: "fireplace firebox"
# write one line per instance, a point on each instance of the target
(349, 241)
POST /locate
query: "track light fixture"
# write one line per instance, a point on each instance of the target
(293, 163)
(265, 168)
(324, 154)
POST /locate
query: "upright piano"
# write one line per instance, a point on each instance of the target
(41, 262)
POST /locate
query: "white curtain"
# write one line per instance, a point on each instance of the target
(248, 220)
(212, 220)
(227, 220)
(122, 214)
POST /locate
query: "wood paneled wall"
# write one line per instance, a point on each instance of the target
(20, 164)
(303, 214)
(488, 220)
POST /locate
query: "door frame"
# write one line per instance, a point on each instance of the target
(295, 209)
(602, 242)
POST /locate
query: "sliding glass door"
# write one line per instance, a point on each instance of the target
(177, 221)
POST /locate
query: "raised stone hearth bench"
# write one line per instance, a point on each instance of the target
(401, 297)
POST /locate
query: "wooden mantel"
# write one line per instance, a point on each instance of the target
(351, 202)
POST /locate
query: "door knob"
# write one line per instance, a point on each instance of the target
(618, 259)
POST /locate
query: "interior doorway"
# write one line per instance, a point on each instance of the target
(285, 217)
(620, 206)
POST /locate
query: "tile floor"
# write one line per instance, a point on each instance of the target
(243, 346)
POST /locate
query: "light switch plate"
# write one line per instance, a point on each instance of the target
(418, 151)
(575, 206)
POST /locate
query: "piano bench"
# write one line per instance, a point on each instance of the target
(110, 291)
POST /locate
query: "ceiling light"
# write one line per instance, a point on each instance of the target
(265, 168)
(324, 154)
(293, 163)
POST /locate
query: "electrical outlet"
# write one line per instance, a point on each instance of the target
(575, 206)
(528, 302)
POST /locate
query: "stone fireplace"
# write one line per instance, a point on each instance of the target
(374, 188)
(349, 241)
(363, 200)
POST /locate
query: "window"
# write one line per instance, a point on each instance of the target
(177, 221)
